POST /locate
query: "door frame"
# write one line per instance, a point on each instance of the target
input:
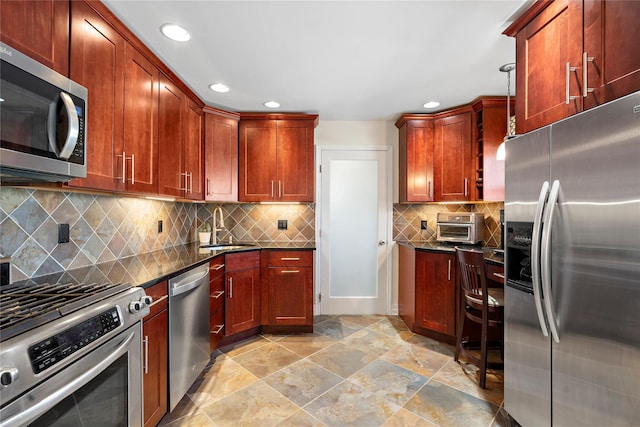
(388, 151)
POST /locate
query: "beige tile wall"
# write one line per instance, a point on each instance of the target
(406, 220)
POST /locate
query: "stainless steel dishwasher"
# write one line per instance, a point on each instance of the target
(188, 330)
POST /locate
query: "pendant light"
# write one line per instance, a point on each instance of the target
(507, 68)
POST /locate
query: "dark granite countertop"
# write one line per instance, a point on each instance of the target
(148, 269)
(491, 255)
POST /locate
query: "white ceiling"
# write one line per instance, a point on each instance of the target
(344, 60)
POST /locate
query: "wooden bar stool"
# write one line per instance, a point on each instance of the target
(482, 305)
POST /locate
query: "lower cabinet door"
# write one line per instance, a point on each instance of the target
(435, 292)
(242, 308)
(290, 295)
(155, 368)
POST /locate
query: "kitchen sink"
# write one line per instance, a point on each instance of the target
(224, 247)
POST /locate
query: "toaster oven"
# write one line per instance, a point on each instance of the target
(460, 227)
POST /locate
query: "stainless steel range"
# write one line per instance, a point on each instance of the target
(70, 354)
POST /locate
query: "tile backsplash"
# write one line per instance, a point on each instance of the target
(101, 228)
(106, 228)
(406, 220)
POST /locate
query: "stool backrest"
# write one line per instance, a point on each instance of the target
(473, 282)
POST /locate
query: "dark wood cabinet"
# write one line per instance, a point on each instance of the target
(416, 159)
(427, 292)
(220, 155)
(193, 151)
(39, 29)
(288, 290)
(97, 63)
(180, 153)
(138, 158)
(122, 84)
(276, 158)
(452, 156)
(242, 291)
(611, 52)
(490, 118)
(436, 292)
(155, 356)
(436, 156)
(216, 301)
(573, 55)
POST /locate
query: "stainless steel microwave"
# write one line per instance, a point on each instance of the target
(43, 121)
(460, 227)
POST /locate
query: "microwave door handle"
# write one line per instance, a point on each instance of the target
(545, 264)
(73, 126)
(535, 257)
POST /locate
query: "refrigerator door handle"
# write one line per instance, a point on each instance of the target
(535, 257)
(546, 259)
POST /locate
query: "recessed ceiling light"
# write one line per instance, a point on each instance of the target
(219, 87)
(175, 32)
(431, 104)
(271, 104)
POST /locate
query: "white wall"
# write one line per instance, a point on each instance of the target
(366, 133)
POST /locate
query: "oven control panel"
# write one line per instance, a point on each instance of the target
(50, 351)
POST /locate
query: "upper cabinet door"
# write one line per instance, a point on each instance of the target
(139, 156)
(97, 62)
(221, 157)
(171, 176)
(416, 160)
(257, 160)
(452, 154)
(295, 164)
(193, 151)
(39, 29)
(548, 58)
(611, 52)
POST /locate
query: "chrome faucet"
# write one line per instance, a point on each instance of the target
(217, 222)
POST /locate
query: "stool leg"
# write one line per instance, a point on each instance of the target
(456, 354)
(483, 351)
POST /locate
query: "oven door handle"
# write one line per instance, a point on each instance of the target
(41, 407)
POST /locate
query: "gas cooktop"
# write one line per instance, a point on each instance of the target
(26, 307)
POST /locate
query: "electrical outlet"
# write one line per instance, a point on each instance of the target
(63, 233)
(423, 224)
(159, 226)
(282, 224)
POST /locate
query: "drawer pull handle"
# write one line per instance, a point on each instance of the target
(217, 294)
(217, 267)
(499, 275)
(289, 271)
(217, 331)
(162, 298)
(290, 259)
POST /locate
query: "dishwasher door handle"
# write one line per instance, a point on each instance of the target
(188, 284)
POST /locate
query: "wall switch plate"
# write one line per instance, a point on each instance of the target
(63, 233)
(423, 224)
(159, 226)
(282, 224)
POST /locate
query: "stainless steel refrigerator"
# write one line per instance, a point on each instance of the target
(572, 264)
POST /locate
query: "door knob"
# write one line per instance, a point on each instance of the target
(381, 243)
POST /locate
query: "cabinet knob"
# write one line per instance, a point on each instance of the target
(381, 243)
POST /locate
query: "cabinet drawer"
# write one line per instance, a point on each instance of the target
(495, 273)
(159, 293)
(216, 299)
(242, 260)
(216, 333)
(290, 258)
(216, 267)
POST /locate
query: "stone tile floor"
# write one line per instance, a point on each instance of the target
(352, 371)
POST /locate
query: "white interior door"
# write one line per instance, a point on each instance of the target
(354, 218)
